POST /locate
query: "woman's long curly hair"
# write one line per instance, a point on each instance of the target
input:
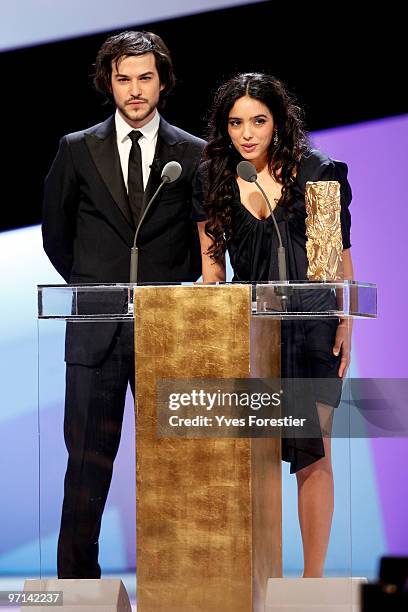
(283, 158)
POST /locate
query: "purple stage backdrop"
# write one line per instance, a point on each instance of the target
(376, 153)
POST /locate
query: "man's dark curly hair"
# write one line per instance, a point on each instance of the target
(283, 158)
(133, 43)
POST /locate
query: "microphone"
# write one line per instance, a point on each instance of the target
(247, 172)
(170, 173)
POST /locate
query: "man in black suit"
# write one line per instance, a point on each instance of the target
(95, 194)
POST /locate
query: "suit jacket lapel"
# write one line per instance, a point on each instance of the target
(166, 150)
(101, 142)
(103, 148)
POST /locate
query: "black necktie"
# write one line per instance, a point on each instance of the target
(135, 177)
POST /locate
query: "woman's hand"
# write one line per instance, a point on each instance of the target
(342, 345)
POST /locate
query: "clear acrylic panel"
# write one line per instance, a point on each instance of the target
(279, 299)
(297, 500)
(117, 536)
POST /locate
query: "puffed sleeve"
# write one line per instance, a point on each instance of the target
(316, 166)
(199, 193)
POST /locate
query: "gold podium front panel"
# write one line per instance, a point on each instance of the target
(208, 510)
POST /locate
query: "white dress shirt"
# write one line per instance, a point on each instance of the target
(147, 144)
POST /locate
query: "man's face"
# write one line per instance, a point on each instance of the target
(136, 88)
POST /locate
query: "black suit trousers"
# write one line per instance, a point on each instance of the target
(94, 406)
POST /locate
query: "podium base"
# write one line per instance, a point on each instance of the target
(88, 595)
(313, 594)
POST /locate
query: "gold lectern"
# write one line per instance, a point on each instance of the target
(208, 510)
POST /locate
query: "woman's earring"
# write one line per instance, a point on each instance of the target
(275, 137)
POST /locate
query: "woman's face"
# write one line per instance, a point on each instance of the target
(250, 127)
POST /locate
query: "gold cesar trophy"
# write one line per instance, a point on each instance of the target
(323, 230)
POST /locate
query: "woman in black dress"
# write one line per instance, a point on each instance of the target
(255, 119)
